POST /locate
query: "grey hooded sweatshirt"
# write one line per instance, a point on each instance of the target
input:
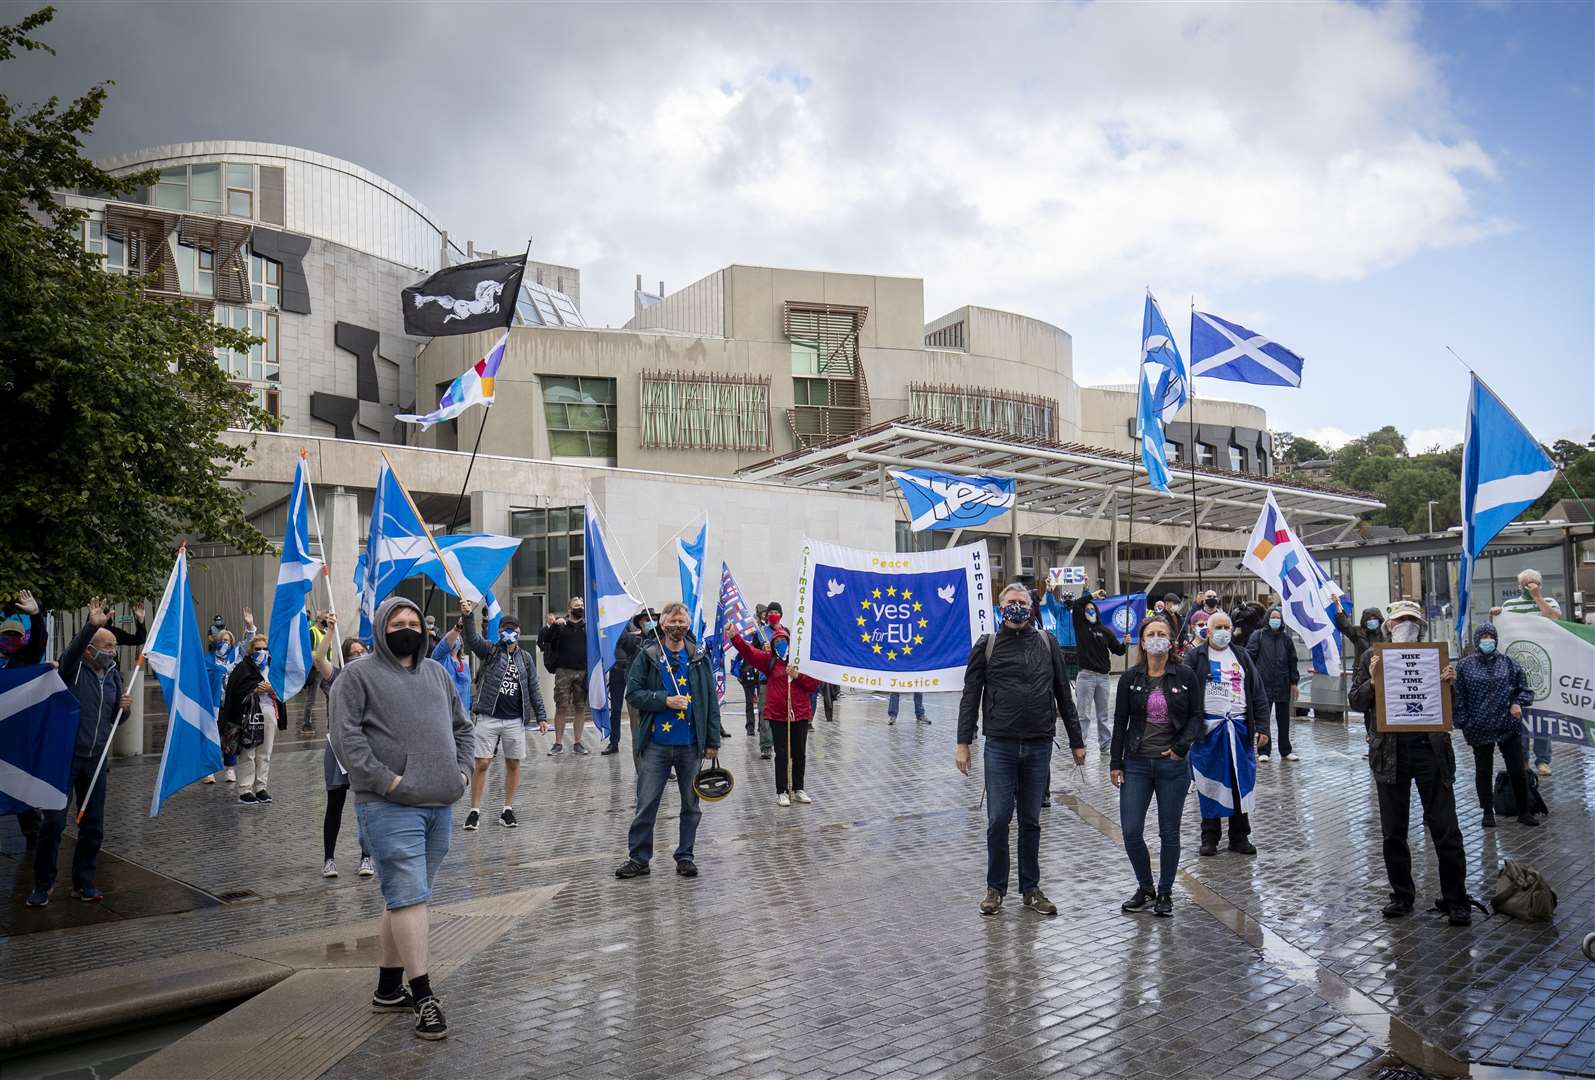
(390, 720)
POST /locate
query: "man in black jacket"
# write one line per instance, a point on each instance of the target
(564, 645)
(1016, 684)
(1207, 661)
(1273, 650)
(639, 631)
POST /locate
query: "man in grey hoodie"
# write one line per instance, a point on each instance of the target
(399, 729)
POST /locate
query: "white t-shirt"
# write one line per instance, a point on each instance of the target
(1225, 693)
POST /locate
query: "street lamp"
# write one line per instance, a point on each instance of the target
(1431, 513)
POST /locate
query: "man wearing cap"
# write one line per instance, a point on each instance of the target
(1400, 759)
(507, 696)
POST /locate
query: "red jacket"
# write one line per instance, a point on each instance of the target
(774, 667)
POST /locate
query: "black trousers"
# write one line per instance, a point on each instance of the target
(1281, 733)
(829, 692)
(332, 822)
(312, 684)
(1416, 762)
(800, 742)
(1240, 825)
(1516, 771)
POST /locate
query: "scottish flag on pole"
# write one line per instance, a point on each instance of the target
(1221, 349)
(689, 563)
(397, 541)
(938, 500)
(609, 607)
(477, 559)
(1159, 352)
(176, 653)
(1149, 421)
(473, 387)
(38, 733)
(289, 634)
(1504, 470)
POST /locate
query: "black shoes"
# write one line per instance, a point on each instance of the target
(506, 818)
(765, 754)
(1242, 847)
(263, 796)
(1489, 819)
(991, 903)
(248, 799)
(612, 748)
(1397, 909)
(1208, 847)
(687, 868)
(1523, 819)
(429, 1022)
(631, 868)
(749, 729)
(1163, 908)
(472, 820)
(1037, 901)
(1142, 900)
(1461, 915)
(397, 1001)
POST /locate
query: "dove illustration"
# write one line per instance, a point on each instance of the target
(947, 592)
(834, 587)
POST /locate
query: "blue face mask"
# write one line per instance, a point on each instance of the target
(508, 637)
(1372, 624)
(648, 626)
(1016, 613)
(1487, 645)
(1274, 624)
(220, 648)
(1090, 615)
(780, 648)
(260, 657)
(1221, 637)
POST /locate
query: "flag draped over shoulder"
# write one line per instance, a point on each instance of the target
(1308, 596)
(288, 637)
(689, 565)
(175, 651)
(1504, 470)
(610, 606)
(464, 299)
(1221, 349)
(938, 500)
(38, 734)
(473, 387)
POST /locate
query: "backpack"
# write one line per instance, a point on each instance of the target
(1522, 893)
(1506, 803)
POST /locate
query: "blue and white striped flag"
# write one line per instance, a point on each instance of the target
(939, 500)
(1149, 420)
(397, 541)
(1159, 351)
(477, 559)
(175, 651)
(610, 606)
(1221, 349)
(288, 638)
(689, 563)
(1504, 470)
(38, 733)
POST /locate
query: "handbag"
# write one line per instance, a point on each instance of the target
(1506, 803)
(1522, 892)
(254, 733)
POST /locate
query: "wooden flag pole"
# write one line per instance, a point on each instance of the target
(326, 561)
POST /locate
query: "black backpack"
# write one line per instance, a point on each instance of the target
(1506, 804)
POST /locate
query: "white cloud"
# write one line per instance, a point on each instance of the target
(1422, 439)
(1330, 438)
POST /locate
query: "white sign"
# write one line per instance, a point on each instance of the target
(1066, 575)
(1410, 695)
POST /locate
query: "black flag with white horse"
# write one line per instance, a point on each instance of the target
(464, 299)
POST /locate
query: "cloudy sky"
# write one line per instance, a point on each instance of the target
(1365, 183)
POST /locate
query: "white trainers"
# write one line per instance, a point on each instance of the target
(366, 867)
(802, 797)
(1292, 757)
(210, 779)
(783, 799)
(330, 869)
(1263, 759)
(232, 777)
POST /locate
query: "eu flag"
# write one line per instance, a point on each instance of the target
(903, 622)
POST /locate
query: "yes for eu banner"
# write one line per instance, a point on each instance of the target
(889, 620)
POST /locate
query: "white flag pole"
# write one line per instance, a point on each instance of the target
(132, 684)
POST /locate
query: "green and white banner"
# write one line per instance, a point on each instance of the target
(1559, 660)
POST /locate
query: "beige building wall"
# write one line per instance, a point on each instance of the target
(1107, 415)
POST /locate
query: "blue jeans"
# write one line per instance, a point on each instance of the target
(1093, 696)
(892, 701)
(1542, 750)
(1017, 772)
(86, 854)
(1170, 781)
(408, 844)
(652, 773)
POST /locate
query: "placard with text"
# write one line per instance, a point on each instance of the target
(1408, 692)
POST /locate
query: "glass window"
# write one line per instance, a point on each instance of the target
(240, 203)
(558, 521)
(205, 188)
(1204, 454)
(183, 259)
(171, 193)
(580, 416)
(265, 281)
(1237, 459)
(1171, 451)
(241, 176)
(811, 391)
(205, 277)
(528, 522)
(805, 356)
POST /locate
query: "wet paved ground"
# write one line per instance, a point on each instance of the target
(841, 939)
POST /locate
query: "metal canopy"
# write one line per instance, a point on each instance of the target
(1060, 478)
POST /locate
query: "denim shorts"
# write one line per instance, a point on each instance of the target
(408, 844)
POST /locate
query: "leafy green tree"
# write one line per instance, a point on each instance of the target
(1304, 449)
(1577, 477)
(111, 401)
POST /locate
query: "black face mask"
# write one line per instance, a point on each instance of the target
(404, 641)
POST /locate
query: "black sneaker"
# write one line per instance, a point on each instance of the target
(1163, 907)
(765, 754)
(1489, 819)
(506, 818)
(472, 820)
(1209, 847)
(1037, 901)
(248, 798)
(631, 868)
(556, 750)
(921, 720)
(749, 729)
(399, 1000)
(1142, 900)
(1523, 819)
(1461, 915)
(612, 748)
(263, 796)
(686, 868)
(1046, 800)
(429, 1022)
(1242, 847)
(991, 903)
(1397, 909)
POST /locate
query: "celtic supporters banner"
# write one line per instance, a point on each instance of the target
(891, 621)
(1559, 660)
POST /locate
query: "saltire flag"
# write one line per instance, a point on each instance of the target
(38, 735)
(1158, 351)
(175, 651)
(473, 387)
(689, 565)
(1221, 349)
(1222, 750)
(731, 618)
(938, 500)
(464, 299)
(288, 638)
(891, 621)
(477, 559)
(610, 606)
(397, 541)
(1504, 470)
(1123, 615)
(1154, 452)
(1307, 593)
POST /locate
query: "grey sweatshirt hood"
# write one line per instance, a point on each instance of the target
(379, 633)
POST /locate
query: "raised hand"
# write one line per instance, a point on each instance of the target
(98, 614)
(138, 611)
(27, 603)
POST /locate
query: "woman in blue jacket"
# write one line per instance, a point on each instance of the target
(1487, 704)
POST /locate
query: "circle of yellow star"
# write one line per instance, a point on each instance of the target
(917, 605)
(861, 620)
(679, 716)
(665, 726)
(876, 594)
(875, 648)
(891, 656)
(891, 590)
(907, 595)
(918, 640)
(923, 623)
(907, 649)
(864, 604)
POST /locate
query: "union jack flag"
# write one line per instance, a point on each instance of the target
(731, 617)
